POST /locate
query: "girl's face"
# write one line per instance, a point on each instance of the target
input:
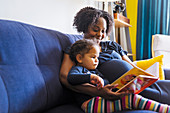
(90, 59)
(97, 31)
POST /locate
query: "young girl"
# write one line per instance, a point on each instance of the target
(85, 55)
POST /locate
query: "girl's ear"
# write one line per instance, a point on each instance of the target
(79, 58)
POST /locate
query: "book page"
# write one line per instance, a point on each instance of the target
(138, 84)
(129, 76)
(154, 69)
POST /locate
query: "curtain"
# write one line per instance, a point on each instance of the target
(153, 18)
(131, 9)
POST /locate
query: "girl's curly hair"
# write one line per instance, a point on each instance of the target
(89, 16)
(81, 47)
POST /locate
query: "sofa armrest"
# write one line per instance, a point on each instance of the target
(167, 73)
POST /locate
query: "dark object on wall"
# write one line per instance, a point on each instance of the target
(118, 7)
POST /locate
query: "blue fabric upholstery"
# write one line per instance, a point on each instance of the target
(167, 73)
(30, 60)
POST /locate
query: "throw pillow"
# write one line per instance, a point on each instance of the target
(144, 64)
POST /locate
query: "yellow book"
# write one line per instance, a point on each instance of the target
(137, 79)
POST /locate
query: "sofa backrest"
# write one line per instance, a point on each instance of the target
(30, 60)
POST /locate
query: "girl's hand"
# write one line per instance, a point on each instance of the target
(94, 79)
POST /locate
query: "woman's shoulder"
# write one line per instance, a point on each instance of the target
(107, 45)
(111, 43)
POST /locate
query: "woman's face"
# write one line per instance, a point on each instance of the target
(97, 31)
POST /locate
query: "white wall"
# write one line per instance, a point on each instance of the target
(51, 14)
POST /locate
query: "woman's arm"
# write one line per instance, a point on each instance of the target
(126, 58)
(89, 89)
(65, 68)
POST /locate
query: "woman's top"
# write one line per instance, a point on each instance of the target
(109, 50)
(79, 75)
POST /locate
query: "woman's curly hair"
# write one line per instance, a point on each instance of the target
(89, 16)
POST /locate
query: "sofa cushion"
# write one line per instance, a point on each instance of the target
(145, 64)
(30, 60)
(67, 108)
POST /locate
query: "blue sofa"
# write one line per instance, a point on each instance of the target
(30, 60)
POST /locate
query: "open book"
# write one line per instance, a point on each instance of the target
(137, 79)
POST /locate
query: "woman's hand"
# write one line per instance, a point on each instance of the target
(94, 79)
(107, 93)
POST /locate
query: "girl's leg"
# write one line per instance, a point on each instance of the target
(98, 104)
(160, 90)
(142, 103)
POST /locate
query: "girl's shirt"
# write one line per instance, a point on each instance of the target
(80, 75)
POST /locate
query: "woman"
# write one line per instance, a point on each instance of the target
(94, 23)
